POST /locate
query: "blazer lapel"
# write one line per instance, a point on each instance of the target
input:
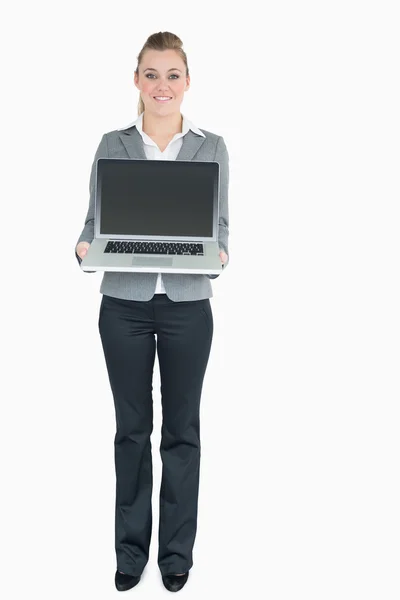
(133, 143)
(191, 145)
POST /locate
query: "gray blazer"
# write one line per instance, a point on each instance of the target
(141, 286)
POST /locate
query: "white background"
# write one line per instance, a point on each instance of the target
(299, 494)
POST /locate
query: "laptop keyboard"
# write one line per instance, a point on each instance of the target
(128, 247)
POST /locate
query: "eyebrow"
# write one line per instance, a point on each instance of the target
(151, 69)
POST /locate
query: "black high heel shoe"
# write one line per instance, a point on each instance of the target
(174, 583)
(125, 582)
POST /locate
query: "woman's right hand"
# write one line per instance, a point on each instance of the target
(82, 249)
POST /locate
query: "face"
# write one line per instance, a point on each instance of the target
(162, 74)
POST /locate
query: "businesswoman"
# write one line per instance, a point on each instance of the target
(138, 308)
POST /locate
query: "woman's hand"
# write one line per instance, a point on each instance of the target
(223, 256)
(82, 249)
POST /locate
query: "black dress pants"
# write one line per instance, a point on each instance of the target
(130, 332)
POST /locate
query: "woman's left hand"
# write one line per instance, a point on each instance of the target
(223, 256)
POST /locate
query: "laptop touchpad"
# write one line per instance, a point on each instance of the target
(150, 261)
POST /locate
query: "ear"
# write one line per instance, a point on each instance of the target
(136, 80)
(187, 83)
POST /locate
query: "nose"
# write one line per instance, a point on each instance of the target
(163, 84)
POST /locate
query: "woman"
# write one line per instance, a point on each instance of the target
(176, 308)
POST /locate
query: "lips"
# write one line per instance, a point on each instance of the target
(162, 98)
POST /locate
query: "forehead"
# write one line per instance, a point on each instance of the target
(162, 60)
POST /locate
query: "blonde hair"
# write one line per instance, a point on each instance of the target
(163, 40)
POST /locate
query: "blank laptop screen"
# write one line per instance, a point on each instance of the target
(156, 198)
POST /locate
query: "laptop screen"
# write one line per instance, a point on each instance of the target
(156, 198)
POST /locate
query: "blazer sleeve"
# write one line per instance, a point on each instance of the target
(222, 157)
(87, 233)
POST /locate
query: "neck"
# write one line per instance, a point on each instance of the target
(162, 125)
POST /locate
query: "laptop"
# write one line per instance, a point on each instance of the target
(155, 216)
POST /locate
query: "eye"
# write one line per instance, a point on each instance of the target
(151, 75)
